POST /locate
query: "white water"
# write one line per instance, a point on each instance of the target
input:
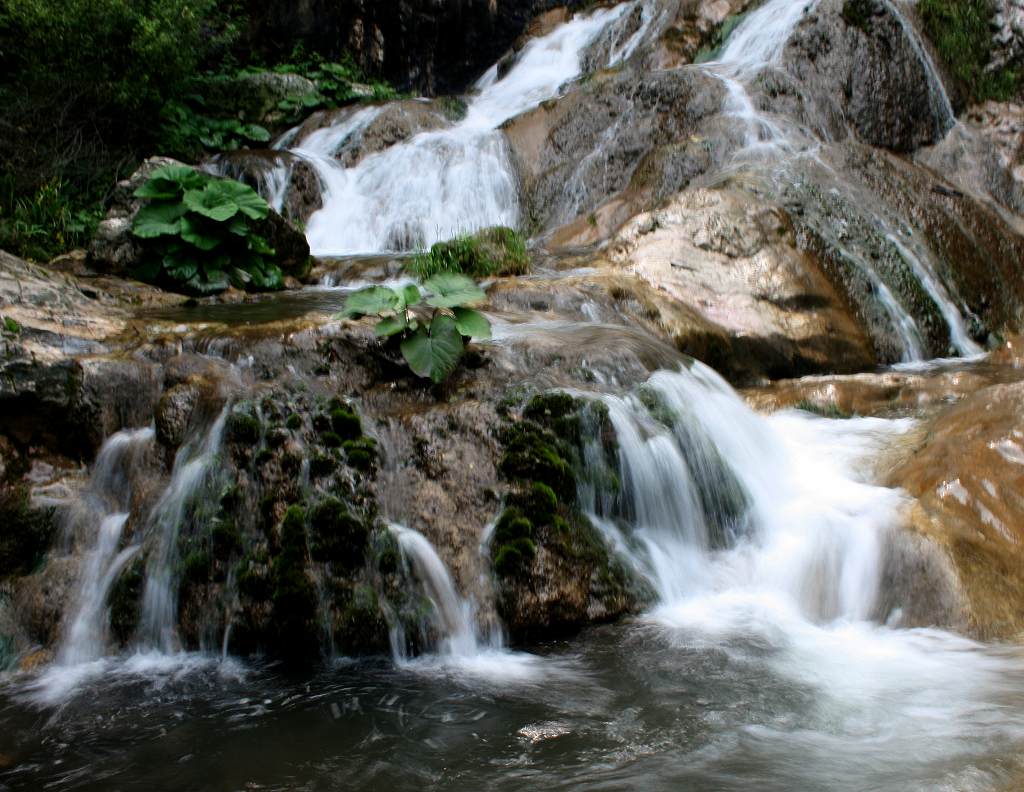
(194, 465)
(105, 503)
(442, 183)
(458, 645)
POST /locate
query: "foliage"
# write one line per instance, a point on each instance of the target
(47, 223)
(960, 30)
(187, 131)
(337, 84)
(432, 328)
(201, 233)
(493, 251)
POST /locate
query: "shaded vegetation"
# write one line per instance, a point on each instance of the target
(962, 35)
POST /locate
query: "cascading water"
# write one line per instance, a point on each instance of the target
(452, 617)
(105, 503)
(442, 183)
(194, 465)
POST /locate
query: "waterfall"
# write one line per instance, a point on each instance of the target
(451, 617)
(441, 183)
(805, 526)
(104, 506)
(194, 466)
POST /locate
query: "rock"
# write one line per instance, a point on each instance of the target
(115, 250)
(254, 97)
(733, 259)
(269, 172)
(384, 125)
(855, 60)
(575, 153)
(967, 476)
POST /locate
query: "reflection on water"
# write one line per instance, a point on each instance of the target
(646, 706)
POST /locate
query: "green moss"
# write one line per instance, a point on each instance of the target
(531, 456)
(321, 464)
(962, 35)
(512, 558)
(195, 568)
(492, 251)
(294, 598)
(225, 539)
(721, 35)
(264, 457)
(361, 453)
(331, 439)
(337, 536)
(11, 326)
(124, 599)
(253, 581)
(511, 525)
(243, 429)
(345, 423)
(294, 422)
(858, 14)
(25, 532)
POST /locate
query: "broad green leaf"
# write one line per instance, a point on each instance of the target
(181, 269)
(244, 197)
(162, 189)
(147, 271)
(451, 289)
(370, 301)
(436, 353)
(472, 323)
(193, 232)
(210, 203)
(255, 132)
(237, 225)
(391, 325)
(182, 175)
(410, 295)
(158, 219)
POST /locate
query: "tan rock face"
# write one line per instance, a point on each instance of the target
(968, 477)
(733, 260)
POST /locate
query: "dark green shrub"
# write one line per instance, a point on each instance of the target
(200, 233)
(493, 251)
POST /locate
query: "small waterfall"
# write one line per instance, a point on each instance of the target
(452, 618)
(961, 341)
(806, 528)
(194, 466)
(104, 510)
(442, 183)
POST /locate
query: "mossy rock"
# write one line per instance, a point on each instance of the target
(125, 596)
(336, 535)
(293, 422)
(512, 558)
(195, 568)
(345, 423)
(25, 531)
(321, 464)
(532, 456)
(294, 597)
(512, 525)
(253, 581)
(361, 453)
(225, 539)
(243, 429)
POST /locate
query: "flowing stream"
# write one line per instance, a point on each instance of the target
(766, 660)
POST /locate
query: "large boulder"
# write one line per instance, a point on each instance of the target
(116, 251)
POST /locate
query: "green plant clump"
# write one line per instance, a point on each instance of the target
(432, 328)
(336, 535)
(200, 233)
(294, 598)
(961, 32)
(493, 251)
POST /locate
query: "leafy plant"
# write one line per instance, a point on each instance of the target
(46, 224)
(187, 131)
(432, 328)
(493, 251)
(201, 233)
(961, 32)
(337, 84)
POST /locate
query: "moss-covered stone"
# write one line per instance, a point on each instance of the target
(331, 439)
(124, 599)
(195, 568)
(345, 423)
(321, 464)
(532, 455)
(336, 535)
(25, 531)
(512, 558)
(361, 453)
(225, 539)
(293, 422)
(243, 429)
(294, 598)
